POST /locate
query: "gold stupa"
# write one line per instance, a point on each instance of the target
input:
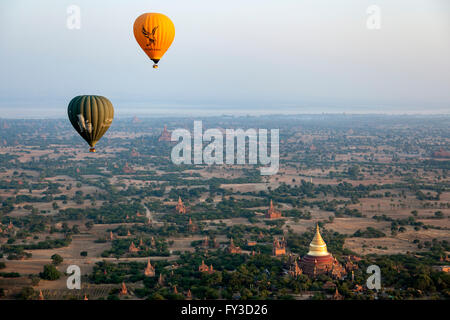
(318, 247)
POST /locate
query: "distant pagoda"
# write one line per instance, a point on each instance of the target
(161, 280)
(149, 270)
(165, 135)
(180, 207)
(272, 213)
(279, 247)
(295, 270)
(132, 248)
(123, 289)
(191, 226)
(233, 248)
(204, 268)
(319, 260)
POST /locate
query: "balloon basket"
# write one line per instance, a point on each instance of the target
(92, 150)
(155, 66)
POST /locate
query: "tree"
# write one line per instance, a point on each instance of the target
(26, 293)
(83, 253)
(34, 280)
(353, 171)
(57, 259)
(89, 225)
(50, 273)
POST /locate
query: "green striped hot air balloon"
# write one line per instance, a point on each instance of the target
(91, 116)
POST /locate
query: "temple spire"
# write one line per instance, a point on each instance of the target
(317, 247)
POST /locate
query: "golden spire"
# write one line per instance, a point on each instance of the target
(317, 247)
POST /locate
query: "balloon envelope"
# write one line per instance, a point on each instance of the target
(91, 116)
(155, 33)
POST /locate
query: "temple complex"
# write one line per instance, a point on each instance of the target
(272, 213)
(319, 260)
(204, 268)
(295, 270)
(165, 135)
(149, 270)
(180, 207)
(132, 248)
(279, 247)
(233, 248)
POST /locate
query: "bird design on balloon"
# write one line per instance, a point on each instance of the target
(150, 36)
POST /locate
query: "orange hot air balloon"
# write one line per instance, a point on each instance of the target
(155, 33)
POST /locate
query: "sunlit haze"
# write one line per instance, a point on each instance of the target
(228, 57)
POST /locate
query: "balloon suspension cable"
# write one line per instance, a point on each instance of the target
(92, 150)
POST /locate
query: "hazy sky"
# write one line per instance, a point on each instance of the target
(299, 56)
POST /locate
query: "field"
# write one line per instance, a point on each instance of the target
(381, 189)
